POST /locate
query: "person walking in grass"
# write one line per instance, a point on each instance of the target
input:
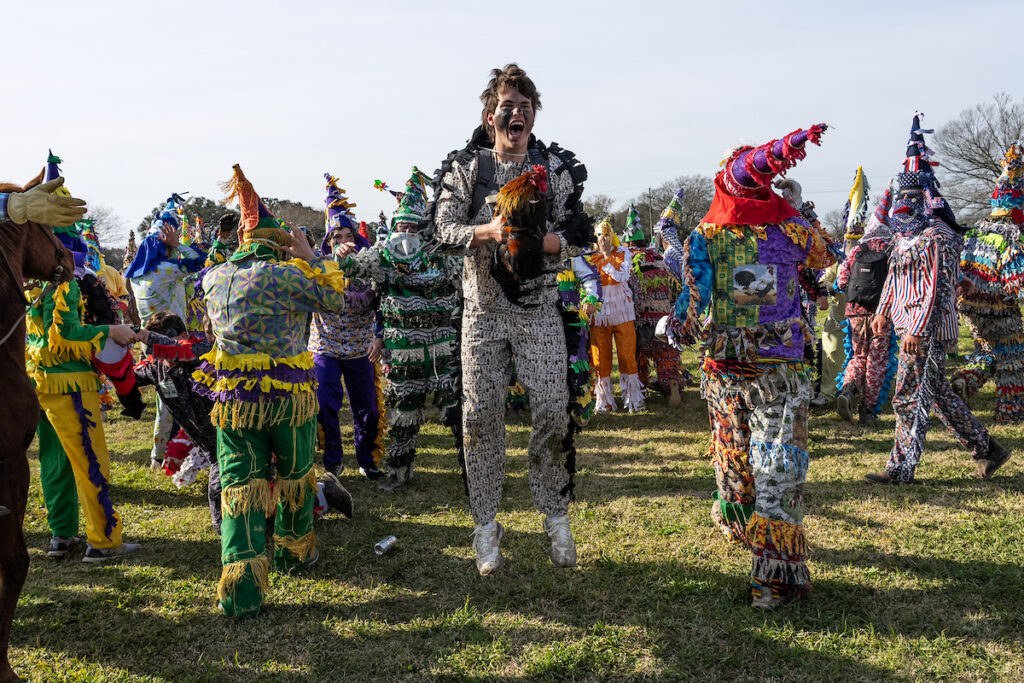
(260, 377)
(919, 298)
(742, 263)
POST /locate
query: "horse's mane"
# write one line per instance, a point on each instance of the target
(11, 187)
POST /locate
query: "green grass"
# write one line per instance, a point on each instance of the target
(920, 582)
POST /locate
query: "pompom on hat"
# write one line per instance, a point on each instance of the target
(1008, 195)
(259, 233)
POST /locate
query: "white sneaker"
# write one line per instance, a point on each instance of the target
(486, 541)
(563, 548)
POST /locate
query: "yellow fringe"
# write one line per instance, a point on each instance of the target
(382, 418)
(293, 491)
(329, 277)
(70, 350)
(34, 326)
(783, 536)
(264, 384)
(262, 414)
(300, 548)
(241, 500)
(255, 361)
(64, 382)
(234, 572)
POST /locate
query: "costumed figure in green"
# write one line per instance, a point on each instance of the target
(260, 377)
(418, 290)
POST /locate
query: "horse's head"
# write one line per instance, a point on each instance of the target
(35, 247)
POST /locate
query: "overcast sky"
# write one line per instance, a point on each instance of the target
(141, 103)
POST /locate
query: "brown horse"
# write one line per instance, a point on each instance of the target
(32, 252)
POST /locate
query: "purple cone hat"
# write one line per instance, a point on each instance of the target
(750, 170)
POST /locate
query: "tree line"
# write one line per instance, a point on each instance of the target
(969, 147)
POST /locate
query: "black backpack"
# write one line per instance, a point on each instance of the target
(867, 277)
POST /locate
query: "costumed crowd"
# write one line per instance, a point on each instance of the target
(490, 287)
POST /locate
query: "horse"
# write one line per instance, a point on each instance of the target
(27, 251)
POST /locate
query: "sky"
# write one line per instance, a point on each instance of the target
(145, 99)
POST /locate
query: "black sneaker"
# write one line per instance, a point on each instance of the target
(372, 472)
(59, 546)
(97, 555)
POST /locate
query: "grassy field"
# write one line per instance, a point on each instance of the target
(919, 582)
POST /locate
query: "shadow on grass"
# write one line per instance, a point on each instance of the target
(428, 609)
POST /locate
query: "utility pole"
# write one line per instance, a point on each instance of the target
(650, 210)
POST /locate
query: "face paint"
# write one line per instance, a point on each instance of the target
(502, 118)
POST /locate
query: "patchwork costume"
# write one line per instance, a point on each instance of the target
(418, 293)
(655, 289)
(742, 263)
(993, 271)
(511, 312)
(919, 298)
(616, 320)
(340, 344)
(157, 275)
(866, 380)
(260, 377)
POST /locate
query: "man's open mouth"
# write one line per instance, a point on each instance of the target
(516, 128)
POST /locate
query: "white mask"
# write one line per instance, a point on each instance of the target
(404, 245)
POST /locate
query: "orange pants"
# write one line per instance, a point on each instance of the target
(601, 348)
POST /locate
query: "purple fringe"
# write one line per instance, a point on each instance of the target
(239, 394)
(95, 475)
(282, 373)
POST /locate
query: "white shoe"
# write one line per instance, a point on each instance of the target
(486, 542)
(563, 548)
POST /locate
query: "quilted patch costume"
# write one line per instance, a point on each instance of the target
(919, 298)
(741, 264)
(869, 369)
(340, 344)
(655, 290)
(419, 291)
(993, 270)
(157, 274)
(260, 377)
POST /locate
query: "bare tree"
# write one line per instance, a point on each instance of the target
(971, 147)
(699, 190)
(832, 221)
(598, 206)
(110, 228)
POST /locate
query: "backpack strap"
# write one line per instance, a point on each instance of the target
(484, 181)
